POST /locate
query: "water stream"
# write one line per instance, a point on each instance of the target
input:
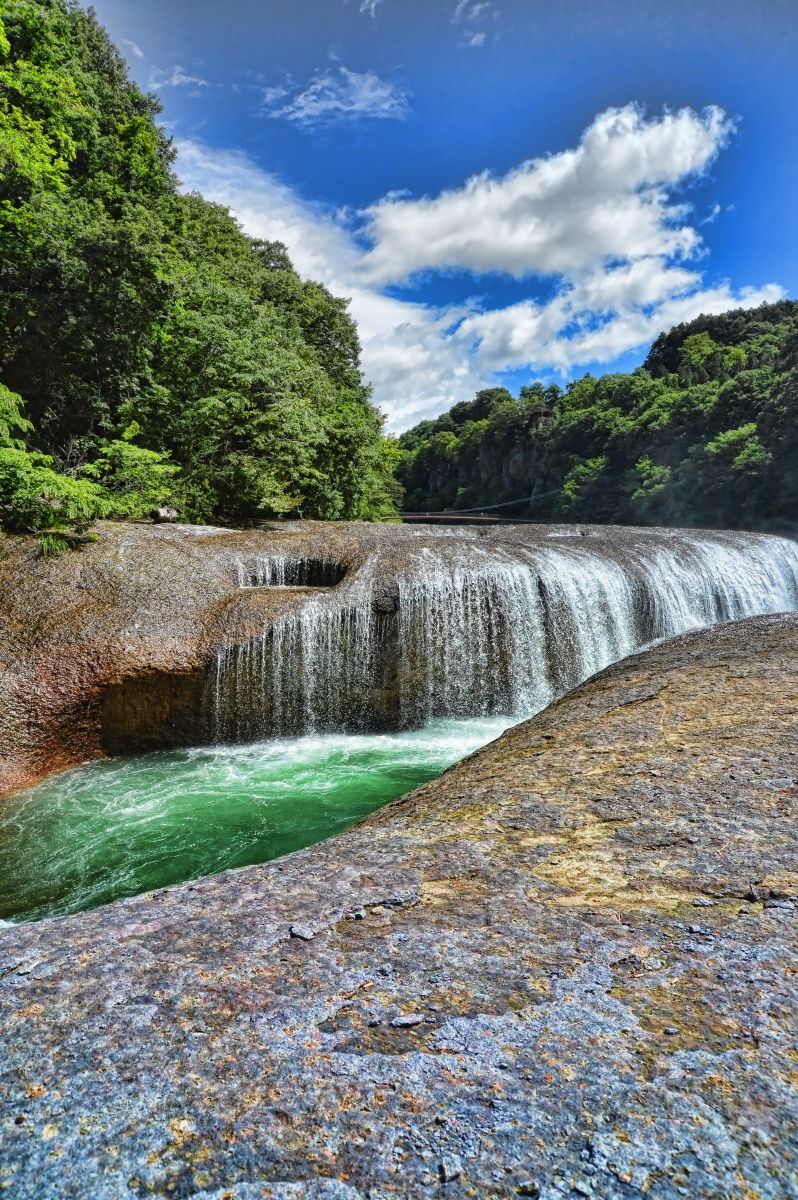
(128, 825)
(480, 632)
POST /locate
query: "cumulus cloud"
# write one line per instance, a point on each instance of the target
(567, 331)
(409, 355)
(603, 223)
(568, 212)
(338, 94)
(135, 50)
(176, 77)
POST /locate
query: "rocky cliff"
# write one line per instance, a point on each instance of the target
(565, 969)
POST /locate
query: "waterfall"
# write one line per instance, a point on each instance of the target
(275, 571)
(469, 630)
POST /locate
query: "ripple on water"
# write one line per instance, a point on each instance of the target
(122, 826)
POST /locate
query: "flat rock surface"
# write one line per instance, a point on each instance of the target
(565, 969)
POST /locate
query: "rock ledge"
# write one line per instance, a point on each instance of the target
(565, 969)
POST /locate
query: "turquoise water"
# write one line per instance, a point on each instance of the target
(123, 826)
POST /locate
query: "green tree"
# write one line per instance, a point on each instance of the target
(35, 498)
(125, 302)
(705, 432)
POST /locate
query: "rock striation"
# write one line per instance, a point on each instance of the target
(166, 635)
(564, 969)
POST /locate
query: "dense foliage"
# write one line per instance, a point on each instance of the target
(704, 433)
(149, 350)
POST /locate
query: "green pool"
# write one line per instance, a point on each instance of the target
(123, 826)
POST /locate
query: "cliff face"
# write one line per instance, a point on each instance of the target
(107, 650)
(566, 968)
(157, 637)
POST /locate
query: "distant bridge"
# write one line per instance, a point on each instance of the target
(477, 516)
(459, 518)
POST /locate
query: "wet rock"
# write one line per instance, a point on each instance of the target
(385, 597)
(114, 649)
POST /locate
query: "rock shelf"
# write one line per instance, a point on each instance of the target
(567, 968)
(164, 636)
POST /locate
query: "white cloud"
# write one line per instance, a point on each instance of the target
(408, 353)
(602, 221)
(177, 77)
(471, 14)
(370, 6)
(567, 331)
(469, 10)
(569, 212)
(714, 212)
(135, 50)
(338, 94)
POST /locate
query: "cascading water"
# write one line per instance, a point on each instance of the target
(274, 571)
(474, 632)
(457, 641)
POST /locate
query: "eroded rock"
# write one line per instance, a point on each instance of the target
(591, 1034)
(166, 635)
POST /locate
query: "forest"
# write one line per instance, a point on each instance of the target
(151, 354)
(703, 433)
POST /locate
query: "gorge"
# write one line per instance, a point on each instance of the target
(326, 669)
(565, 969)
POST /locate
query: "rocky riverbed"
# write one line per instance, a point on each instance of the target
(567, 968)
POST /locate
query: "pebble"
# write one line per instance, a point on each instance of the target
(450, 1167)
(305, 932)
(671, 1029)
(407, 1019)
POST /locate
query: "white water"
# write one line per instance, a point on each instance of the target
(464, 643)
(483, 632)
(273, 571)
(121, 826)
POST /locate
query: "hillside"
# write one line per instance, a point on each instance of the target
(150, 352)
(704, 433)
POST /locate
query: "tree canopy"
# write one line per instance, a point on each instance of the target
(704, 433)
(136, 321)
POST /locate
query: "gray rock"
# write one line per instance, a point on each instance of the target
(530, 920)
(451, 1168)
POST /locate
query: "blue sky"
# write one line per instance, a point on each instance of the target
(507, 190)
